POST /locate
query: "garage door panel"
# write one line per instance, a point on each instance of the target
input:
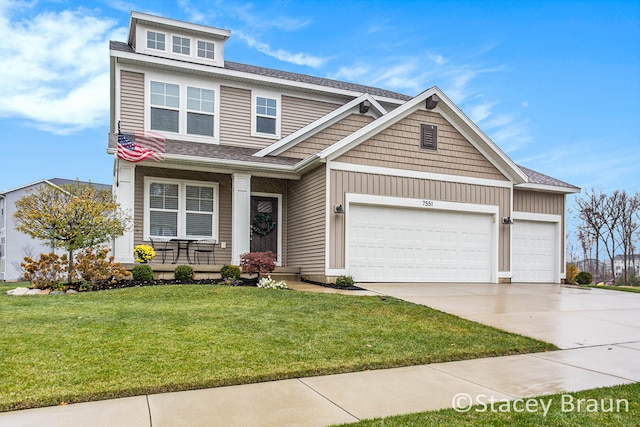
(534, 251)
(419, 245)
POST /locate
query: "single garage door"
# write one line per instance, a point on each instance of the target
(419, 245)
(534, 251)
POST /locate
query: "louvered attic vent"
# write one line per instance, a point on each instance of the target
(428, 137)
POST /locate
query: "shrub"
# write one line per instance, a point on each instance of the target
(183, 272)
(345, 282)
(142, 272)
(144, 253)
(229, 271)
(258, 262)
(584, 278)
(47, 272)
(632, 279)
(95, 266)
(572, 271)
(269, 283)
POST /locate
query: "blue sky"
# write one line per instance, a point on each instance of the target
(555, 84)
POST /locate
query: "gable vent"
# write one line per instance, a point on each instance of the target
(428, 137)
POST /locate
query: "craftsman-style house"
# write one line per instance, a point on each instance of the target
(336, 178)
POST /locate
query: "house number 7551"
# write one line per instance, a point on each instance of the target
(427, 203)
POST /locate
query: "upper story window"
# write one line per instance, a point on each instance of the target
(165, 106)
(205, 49)
(266, 109)
(182, 45)
(200, 110)
(155, 40)
(188, 110)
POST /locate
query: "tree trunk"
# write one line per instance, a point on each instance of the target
(70, 267)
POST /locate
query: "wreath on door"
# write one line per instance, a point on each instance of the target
(262, 224)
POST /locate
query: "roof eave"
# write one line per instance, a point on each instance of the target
(547, 188)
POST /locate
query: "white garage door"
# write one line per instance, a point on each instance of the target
(534, 251)
(418, 245)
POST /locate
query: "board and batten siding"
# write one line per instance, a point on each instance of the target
(131, 101)
(224, 202)
(306, 223)
(343, 182)
(542, 203)
(328, 136)
(236, 117)
(398, 146)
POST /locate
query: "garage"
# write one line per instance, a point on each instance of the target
(403, 244)
(535, 251)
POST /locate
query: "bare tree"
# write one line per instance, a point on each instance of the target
(628, 227)
(591, 212)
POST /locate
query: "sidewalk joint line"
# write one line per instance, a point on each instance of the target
(149, 410)
(326, 398)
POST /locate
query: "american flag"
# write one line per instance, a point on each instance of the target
(141, 145)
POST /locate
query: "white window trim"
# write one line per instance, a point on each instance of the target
(190, 54)
(141, 46)
(182, 211)
(203, 58)
(183, 83)
(146, 37)
(255, 94)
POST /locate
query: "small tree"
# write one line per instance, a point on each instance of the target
(258, 262)
(72, 217)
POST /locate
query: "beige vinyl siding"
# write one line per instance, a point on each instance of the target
(236, 117)
(275, 186)
(224, 208)
(131, 101)
(327, 137)
(299, 112)
(542, 203)
(343, 182)
(398, 147)
(306, 223)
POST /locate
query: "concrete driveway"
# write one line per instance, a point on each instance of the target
(566, 316)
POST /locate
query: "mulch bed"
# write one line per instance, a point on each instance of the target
(333, 286)
(120, 284)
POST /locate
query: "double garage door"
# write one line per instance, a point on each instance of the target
(419, 245)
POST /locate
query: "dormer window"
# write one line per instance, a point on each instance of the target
(205, 49)
(181, 45)
(155, 40)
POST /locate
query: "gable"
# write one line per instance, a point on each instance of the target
(398, 146)
(328, 136)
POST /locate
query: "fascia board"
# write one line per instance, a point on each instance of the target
(319, 125)
(239, 75)
(547, 188)
(20, 187)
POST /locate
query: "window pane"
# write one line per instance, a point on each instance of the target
(266, 125)
(199, 198)
(165, 95)
(199, 224)
(181, 45)
(199, 124)
(163, 223)
(162, 119)
(205, 50)
(200, 99)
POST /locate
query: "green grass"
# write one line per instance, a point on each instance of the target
(599, 407)
(97, 345)
(616, 288)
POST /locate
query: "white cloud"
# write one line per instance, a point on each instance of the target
(194, 14)
(258, 20)
(56, 69)
(280, 54)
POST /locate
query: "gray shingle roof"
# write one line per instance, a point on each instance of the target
(540, 178)
(62, 181)
(293, 77)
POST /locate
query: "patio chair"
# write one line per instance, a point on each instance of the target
(161, 245)
(204, 246)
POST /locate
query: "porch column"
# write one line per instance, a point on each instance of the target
(124, 190)
(241, 210)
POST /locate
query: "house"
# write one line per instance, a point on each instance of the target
(336, 178)
(633, 264)
(15, 245)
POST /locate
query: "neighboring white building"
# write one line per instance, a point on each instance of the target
(633, 264)
(14, 245)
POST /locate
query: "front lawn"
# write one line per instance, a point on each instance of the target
(98, 345)
(608, 406)
(634, 289)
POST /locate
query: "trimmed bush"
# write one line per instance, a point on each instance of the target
(584, 278)
(183, 272)
(142, 272)
(258, 262)
(229, 271)
(345, 282)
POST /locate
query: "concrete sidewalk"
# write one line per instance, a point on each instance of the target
(322, 401)
(599, 354)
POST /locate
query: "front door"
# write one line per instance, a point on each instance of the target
(264, 224)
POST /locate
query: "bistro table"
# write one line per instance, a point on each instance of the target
(183, 243)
